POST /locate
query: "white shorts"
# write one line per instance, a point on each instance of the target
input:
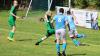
(60, 33)
(72, 33)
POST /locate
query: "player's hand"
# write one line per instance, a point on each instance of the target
(17, 17)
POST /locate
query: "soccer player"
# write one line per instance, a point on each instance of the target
(76, 22)
(72, 28)
(95, 22)
(50, 28)
(60, 31)
(12, 20)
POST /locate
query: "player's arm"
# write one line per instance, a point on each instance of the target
(11, 12)
(66, 21)
(45, 18)
(14, 15)
(75, 20)
(53, 19)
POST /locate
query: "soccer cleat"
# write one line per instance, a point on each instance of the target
(37, 43)
(10, 39)
(63, 53)
(83, 35)
(80, 36)
(55, 41)
(58, 54)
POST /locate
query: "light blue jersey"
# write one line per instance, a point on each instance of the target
(60, 21)
(71, 22)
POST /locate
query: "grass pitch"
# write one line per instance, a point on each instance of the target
(31, 29)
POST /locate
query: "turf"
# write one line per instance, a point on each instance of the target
(31, 29)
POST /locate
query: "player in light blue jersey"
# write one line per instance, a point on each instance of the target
(60, 31)
(72, 28)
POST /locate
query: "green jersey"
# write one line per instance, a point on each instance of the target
(48, 24)
(12, 19)
(13, 10)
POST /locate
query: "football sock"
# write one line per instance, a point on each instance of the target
(57, 47)
(11, 34)
(64, 46)
(75, 42)
(40, 41)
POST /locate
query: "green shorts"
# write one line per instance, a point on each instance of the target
(50, 32)
(11, 22)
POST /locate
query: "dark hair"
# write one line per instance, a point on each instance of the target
(61, 10)
(68, 12)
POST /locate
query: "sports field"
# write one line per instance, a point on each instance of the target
(31, 29)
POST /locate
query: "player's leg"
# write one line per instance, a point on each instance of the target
(63, 35)
(49, 33)
(41, 40)
(79, 35)
(57, 34)
(73, 37)
(96, 25)
(12, 31)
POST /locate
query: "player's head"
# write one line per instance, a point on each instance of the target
(68, 12)
(15, 3)
(49, 13)
(61, 10)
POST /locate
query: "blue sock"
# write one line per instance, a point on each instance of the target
(75, 42)
(79, 35)
(58, 47)
(64, 46)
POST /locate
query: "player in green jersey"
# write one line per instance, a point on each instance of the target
(49, 27)
(12, 20)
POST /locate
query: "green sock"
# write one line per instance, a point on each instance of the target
(40, 41)
(11, 34)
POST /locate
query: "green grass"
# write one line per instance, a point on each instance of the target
(31, 29)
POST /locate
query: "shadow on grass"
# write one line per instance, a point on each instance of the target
(77, 54)
(84, 44)
(25, 40)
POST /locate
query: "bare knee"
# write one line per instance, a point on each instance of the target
(14, 29)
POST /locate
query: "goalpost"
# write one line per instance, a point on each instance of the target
(49, 4)
(69, 4)
(28, 9)
(49, 7)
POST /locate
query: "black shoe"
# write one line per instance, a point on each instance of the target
(55, 41)
(37, 43)
(63, 53)
(59, 54)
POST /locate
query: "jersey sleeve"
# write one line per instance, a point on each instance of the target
(12, 9)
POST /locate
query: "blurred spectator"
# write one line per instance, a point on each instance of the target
(94, 21)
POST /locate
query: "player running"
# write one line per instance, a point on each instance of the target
(50, 28)
(12, 20)
(60, 31)
(72, 28)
